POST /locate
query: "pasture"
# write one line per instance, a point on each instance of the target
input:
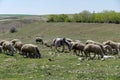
(63, 66)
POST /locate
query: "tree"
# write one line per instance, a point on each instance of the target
(88, 17)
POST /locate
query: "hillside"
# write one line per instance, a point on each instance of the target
(81, 31)
(64, 66)
(7, 21)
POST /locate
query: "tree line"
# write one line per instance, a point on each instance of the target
(87, 17)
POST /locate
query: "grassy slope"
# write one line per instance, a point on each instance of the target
(81, 31)
(64, 66)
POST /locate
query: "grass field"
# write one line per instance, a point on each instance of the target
(64, 66)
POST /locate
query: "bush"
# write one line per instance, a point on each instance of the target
(13, 29)
(87, 17)
(59, 18)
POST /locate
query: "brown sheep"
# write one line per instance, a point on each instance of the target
(18, 45)
(93, 48)
(90, 42)
(31, 51)
(48, 44)
(113, 45)
(69, 40)
(77, 46)
(0, 49)
(39, 40)
(119, 46)
(8, 48)
(97, 43)
(108, 49)
(2, 41)
(14, 41)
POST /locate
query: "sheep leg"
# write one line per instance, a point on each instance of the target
(93, 56)
(78, 52)
(63, 48)
(81, 53)
(26, 54)
(11, 53)
(74, 51)
(86, 53)
(56, 48)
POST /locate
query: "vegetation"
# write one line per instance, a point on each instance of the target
(13, 30)
(63, 66)
(88, 17)
(58, 18)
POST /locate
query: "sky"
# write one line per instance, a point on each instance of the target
(43, 7)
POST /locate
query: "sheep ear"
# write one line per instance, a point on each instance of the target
(108, 42)
(86, 43)
(64, 38)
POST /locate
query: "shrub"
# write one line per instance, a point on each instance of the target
(13, 29)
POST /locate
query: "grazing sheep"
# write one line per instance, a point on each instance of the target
(69, 40)
(2, 41)
(61, 42)
(18, 45)
(113, 45)
(31, 51)
(119, 46)
(90, 42)
(14, 41)
(77, 46)
(8, 48)
(93, 48)
(0, 49)
(97, 43)
(48, 44)
(108, 49)
(78, 41)
(39, 40)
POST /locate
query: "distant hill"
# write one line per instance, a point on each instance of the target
(18, 20)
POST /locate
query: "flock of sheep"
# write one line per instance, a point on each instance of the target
(101, 49)
(32, 51)
(16, 46)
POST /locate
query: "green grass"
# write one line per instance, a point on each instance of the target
(81, 31)
(64, 66)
